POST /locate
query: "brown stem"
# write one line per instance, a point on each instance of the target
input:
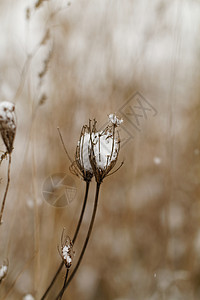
(85, 244)
(6, 190)
(73, 240)
(63, 289)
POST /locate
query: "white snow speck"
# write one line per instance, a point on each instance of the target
(28, 297)
(157, 160)
(113, 119)
(3, 271)
(66, 254)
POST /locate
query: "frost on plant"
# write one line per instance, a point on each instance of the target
(7, 129)
(115, 120)
(97, 151)
(81, 165)
(67, 252)
(3, 271)
(7, 124)
(66, 255)
(104, 151)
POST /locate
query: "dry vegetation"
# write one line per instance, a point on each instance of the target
(62, 63)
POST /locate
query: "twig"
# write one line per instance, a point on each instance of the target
(64, 145)
(85, 244)
(6, 190)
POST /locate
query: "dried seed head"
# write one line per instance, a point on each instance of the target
(3, 271)
(67, 252)
(7, 124)
(104, 151)
(97, 152)
(81, 166)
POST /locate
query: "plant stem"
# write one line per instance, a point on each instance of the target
(63, 289)
(85, 244)
(73, 240)
(82, 212)
(53, 280)
(6, 190)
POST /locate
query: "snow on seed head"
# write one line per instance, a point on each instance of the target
(7, 124)
(104, 149)
(97, 151)
(3, 270)
(66, 252)
(81, 166)
(115, 120)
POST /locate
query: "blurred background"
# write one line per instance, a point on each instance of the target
(63, 62)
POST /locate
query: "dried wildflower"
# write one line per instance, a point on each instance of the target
(67, 252)
(105, 146)
(82, 166)
(97, 152)
(3, 271)
(7, 124)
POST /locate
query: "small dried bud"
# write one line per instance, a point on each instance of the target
(3, 271)
(7, 124)
(67, 252)
(115, 120)
(67, 256)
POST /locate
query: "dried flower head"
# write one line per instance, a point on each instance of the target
(7, 124)
(66, 252)
(97, 151)
(82, 166)
(105, 146)
(3, 271)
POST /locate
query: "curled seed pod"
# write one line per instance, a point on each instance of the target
(7, 124)
(66, 252)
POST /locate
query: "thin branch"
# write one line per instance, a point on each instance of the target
(116, 169)
(6, 190)
(85, 244)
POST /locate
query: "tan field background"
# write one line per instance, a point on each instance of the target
(63, 62)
